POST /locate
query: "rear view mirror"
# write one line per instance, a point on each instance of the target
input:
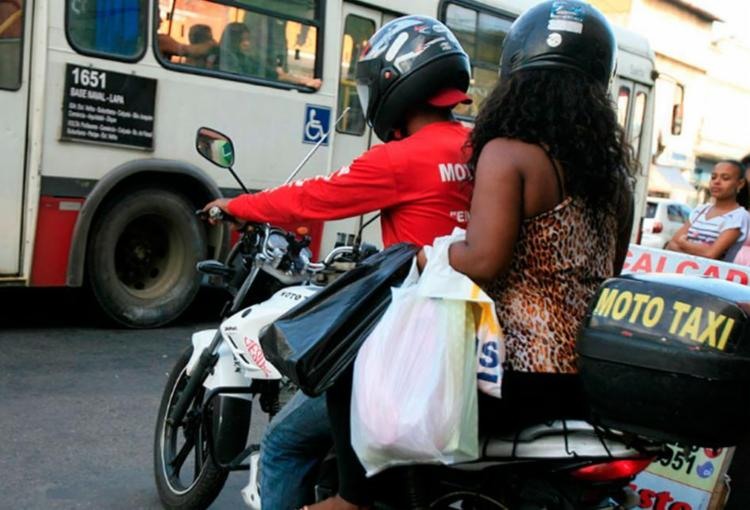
(215, 147)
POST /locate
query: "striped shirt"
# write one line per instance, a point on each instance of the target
(705, 230)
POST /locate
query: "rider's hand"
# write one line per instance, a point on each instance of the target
(221, 203)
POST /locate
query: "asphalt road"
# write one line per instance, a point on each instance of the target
(78, 403)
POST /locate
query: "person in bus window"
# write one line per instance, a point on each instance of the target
(411, 110)
(238, 56)
(200, 34)
(717, 230)
(234, 51)
(174, 51)
(551, 216)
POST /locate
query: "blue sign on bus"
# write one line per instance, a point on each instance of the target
(317, 122)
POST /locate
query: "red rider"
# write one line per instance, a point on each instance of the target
(412, 73)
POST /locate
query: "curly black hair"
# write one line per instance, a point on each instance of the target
(572, 117)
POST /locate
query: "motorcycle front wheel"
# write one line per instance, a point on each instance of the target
(186, 476)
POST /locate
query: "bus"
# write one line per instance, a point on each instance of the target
(101, 99)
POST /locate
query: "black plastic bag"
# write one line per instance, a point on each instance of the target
(314, 342)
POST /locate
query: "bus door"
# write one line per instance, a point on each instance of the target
(353, 135)
(15, 22)
(633, 100)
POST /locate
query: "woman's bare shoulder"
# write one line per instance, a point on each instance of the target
(510, 145)
(510, 153)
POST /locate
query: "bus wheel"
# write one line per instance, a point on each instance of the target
(141, 258)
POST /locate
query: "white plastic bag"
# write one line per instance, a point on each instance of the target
(415, 378)
(440, 280)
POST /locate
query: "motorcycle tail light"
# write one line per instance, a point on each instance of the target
(614, 470)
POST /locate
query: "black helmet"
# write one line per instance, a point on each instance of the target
(410, 61)
(561, 34)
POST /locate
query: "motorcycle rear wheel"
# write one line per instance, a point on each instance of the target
(183, 484)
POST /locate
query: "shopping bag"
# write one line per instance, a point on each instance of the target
(414, 396)
(440, 280)
(314, 342)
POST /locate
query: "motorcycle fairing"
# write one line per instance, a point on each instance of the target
(224, 373)
(242, 329)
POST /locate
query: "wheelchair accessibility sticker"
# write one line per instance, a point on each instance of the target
(317, 122)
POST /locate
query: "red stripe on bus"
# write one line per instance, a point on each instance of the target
(54, 231)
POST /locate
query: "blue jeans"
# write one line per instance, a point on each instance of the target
(294, 443)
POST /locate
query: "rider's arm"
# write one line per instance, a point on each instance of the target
(368, 184)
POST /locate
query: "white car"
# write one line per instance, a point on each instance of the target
(663, 218)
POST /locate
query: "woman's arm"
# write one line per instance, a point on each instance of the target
(496, 214)
(712, 251)
(673, 243)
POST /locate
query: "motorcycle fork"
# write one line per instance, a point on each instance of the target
(269, 399)
(203, 367)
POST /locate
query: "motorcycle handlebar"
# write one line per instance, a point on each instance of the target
(215, 213)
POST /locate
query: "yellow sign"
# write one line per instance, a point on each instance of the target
(685, 320)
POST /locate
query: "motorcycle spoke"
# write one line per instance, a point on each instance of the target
(198, 464)
(182, 455)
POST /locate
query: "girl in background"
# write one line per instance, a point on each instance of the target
(718, 230)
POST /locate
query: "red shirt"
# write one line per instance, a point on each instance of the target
(421, 184)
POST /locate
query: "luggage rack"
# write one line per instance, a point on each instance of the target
(567, 438)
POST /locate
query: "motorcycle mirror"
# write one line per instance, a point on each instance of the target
(215, 147)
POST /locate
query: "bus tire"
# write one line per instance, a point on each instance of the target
(142, 252)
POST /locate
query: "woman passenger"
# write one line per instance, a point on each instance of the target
(552, 212)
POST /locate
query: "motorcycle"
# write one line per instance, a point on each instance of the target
(204, 417)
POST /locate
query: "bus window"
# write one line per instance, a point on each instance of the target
(108, 28)
(279, 44)
(481, 34)
(623, 103)
(463, 23)
(11, 37)
(636, 128)
(357, 30)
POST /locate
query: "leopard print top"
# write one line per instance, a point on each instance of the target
(557, 265)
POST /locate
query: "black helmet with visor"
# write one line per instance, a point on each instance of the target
(410, 61)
